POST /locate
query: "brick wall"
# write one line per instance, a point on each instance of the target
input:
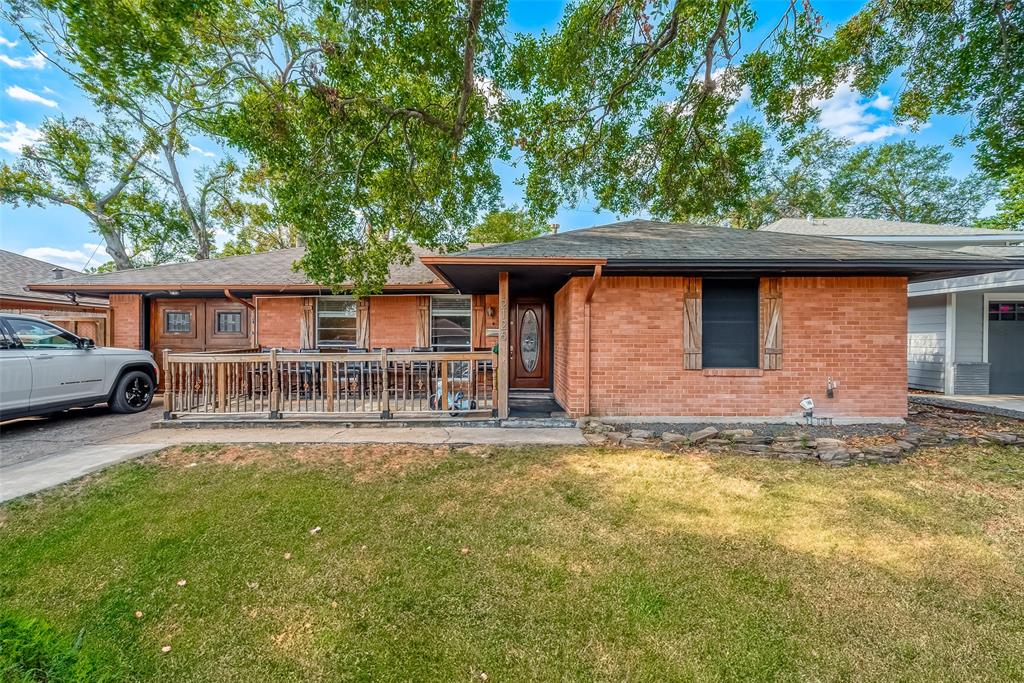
(393, 321)
(568, 370)
(279, 322)
(126, 330)
(852, 329)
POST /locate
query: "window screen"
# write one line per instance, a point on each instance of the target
(229, 322)
(450, 318)
(336, 322)
(730, 323)
(177, 322)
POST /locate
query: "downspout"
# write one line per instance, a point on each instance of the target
(586, 338)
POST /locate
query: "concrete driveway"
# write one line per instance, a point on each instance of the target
(35, 438)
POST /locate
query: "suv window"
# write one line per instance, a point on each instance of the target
(35, 334)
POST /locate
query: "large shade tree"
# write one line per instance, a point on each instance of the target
(381, 122)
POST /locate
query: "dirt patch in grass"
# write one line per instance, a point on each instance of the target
(366, 462)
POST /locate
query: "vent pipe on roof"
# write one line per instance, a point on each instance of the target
(58, 273)
(554, 228)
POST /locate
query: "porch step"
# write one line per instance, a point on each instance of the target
(530, 421)
(534, 404)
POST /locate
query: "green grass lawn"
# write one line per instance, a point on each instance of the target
(528, 564)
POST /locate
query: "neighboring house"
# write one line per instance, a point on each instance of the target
(85, 316)
(966, 334)
(636, 319)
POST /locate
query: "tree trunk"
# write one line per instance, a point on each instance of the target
(114, 245)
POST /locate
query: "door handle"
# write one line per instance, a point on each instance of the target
(43, 357)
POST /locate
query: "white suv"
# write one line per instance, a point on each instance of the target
(44, 369)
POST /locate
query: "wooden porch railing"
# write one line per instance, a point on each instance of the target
(378, 385)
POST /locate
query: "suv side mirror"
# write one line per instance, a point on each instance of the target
(86, 343)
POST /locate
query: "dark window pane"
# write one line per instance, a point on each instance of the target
(177, 322)
(729, 323)
(229, 322)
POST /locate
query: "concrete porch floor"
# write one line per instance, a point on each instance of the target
(1004, 405)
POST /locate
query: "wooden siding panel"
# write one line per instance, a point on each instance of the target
(692, 322)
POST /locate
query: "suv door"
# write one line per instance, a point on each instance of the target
(15, 376)
(61, 371)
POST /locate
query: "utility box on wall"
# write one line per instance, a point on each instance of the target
(970, 378)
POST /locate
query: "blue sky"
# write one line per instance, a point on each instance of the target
(31, 91)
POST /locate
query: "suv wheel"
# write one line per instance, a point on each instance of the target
(133, 394)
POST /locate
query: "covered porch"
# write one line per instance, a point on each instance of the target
(358, 386)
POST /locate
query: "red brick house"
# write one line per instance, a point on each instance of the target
(639, 319)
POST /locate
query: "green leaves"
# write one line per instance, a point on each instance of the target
(907, 182)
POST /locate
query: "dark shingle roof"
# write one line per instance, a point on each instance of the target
(653, 241)
(268, 270)
(868, 227)
(16, 271)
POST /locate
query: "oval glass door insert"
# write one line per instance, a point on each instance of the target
(529, 341)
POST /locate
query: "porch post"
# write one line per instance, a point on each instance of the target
(503, 352)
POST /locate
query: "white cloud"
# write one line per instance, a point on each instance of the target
(18, 93)
(199, 150)
(846, 115)
(726, 78)
(36, 61)
(8, 43)
(91, 254)
(14, 136)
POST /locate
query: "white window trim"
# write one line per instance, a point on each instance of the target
(987, 298)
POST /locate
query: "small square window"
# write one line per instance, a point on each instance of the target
(177, 322)
(229, 322)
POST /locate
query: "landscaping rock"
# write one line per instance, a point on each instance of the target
(634, 442)
(702, 434)
(905, 445)
(829, 444)
(595, 439)
(1001, 437)
(640, 434)
(615, 437)
(736, 433)
(796, 456)
(674, 437)
(833, 456)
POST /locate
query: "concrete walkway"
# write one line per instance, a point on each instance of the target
(1003, 405)
(65, 460)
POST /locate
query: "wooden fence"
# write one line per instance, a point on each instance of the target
(378, 385)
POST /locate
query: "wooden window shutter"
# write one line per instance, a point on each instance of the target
(307, 324)
(363, 323)
(422, 322)
(771, 322)
(692, 324)
(479, 324)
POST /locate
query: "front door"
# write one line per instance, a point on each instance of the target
(530, 345)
